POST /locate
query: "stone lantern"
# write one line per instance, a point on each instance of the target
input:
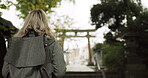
(135, 68)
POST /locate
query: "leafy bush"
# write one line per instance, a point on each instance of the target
(113, 57)
(97, 48)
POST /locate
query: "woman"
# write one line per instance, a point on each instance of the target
(33, 62)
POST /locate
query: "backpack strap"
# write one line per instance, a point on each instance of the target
(47, 68)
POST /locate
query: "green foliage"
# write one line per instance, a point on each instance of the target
(5, 5)
(6, 27)
(140, 24)
(2, 27)
(114, 13)
(24, 6)
(2, 6)
(97, 47)
(101, 14)
(113, 56)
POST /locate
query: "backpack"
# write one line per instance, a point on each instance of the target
(26, 58)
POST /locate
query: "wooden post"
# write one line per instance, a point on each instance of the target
(89, 49)
(63, 38)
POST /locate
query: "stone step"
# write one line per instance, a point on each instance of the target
(82, 75)
(81, 71)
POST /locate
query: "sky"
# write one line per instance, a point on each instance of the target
(145, 3)
(79, 11)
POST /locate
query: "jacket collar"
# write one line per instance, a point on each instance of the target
(31, 33)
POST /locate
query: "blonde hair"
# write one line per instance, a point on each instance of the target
(36, 20)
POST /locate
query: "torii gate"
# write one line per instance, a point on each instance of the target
(88, 36)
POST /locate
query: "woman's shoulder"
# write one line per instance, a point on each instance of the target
(50, 40)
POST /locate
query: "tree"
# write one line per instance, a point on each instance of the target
(6, 27)
(117, 14)
(124, 17)
(24, 6)
(5, 5)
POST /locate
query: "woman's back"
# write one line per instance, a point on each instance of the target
(33, 52)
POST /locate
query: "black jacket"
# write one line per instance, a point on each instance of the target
(2, 50)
